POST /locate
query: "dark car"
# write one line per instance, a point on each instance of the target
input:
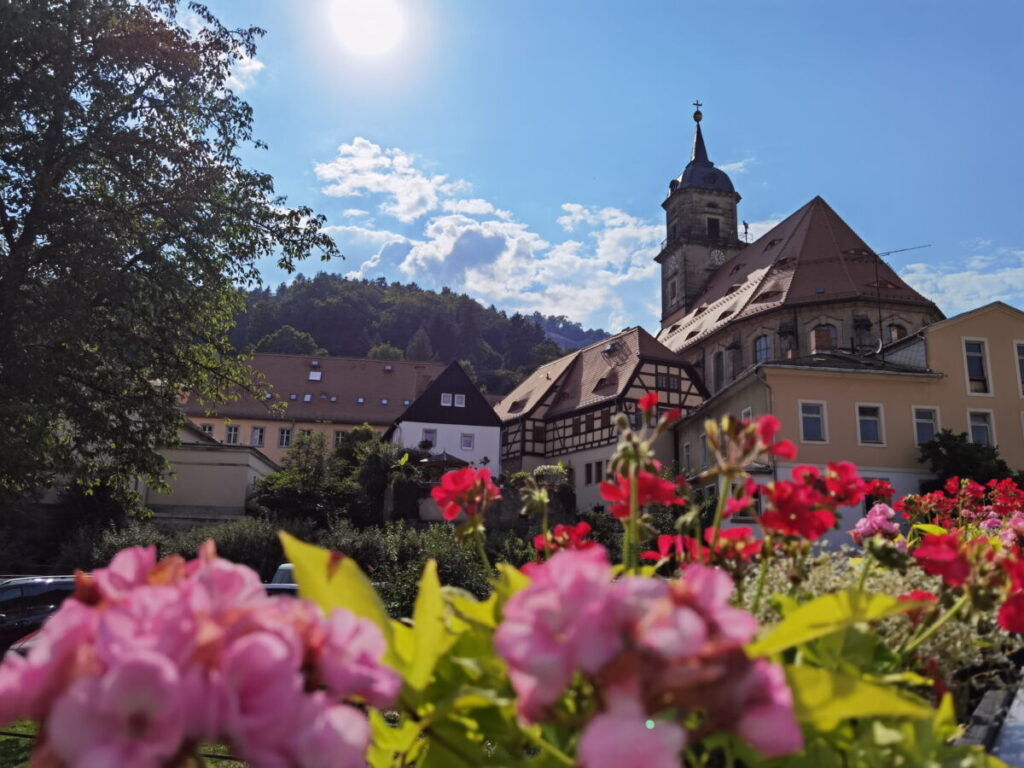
(26, 602)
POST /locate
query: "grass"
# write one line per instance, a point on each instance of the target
(16, 748)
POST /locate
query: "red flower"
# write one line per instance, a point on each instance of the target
(942, 555)
(465, 490)
(564, 537)
(767, 427)
(666, 544)
(918, 596)
(795, 509)
(784, 449)
(651, 489)
(648, 402)
(1011, 613)
(745, 503)
(734, 542)
(844, 484)
(880, 489)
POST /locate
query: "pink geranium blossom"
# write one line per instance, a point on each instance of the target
(620, 736)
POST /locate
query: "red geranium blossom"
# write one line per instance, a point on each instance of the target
(794, 509)
(465, 490)
(918, 596)
(734, 542)
(648, 402)
(1011, 613)
(668, 546)
(651, 489)
(564, 537)
(943, 555)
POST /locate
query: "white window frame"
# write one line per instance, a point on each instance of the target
(231, 430)
(431, 440)
(991, 425)
(472, 441)
(824, 421)
(284, 437)
(881, 424)
(206, 429)
(446, 399)
(316, 375)
(307, 398)
(252, 437)
(460, 401)
(913, 420)
(1016, 366)
(339, 436)
(747, 414)
(988, 369)
(384, 401)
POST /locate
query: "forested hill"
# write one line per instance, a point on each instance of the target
(373, 318)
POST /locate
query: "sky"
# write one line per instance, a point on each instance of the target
(520, 150)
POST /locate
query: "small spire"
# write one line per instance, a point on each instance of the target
(700, 152)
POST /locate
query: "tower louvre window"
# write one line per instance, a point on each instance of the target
(713, 227)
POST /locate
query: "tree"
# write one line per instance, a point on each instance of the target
(385, 351)
(954, 455)
(419, 347)
(288, 341)
(127, 223)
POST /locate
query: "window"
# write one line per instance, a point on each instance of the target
(747, 414)
(977, 378)
(981, 427)
(316, 375)
(305, 432)
(686, 456)
(662, 381)
(598, 466)
(256, 436)
(575, 425)
(713, 228)
(812, 422)
(429, 436)
(762, 349)
(284, 437)
(384, 401)
(538, 434)
(825, 336)
(589, 422)
(1020, 367)
(926, 424)
(460, 401)
(207, 429)
(446, 399)
(360, 400)
(671, 290)
(705, 458)
(307, 398)
(606, 418)
(673, 383)
(407, 402)
(292, 396)
(718, 366)
(334, 398)
(896, 331)
(588, 474)
(869, 424)
(466, 442)
(231, 438)
(339, 437)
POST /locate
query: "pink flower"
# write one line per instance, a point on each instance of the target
(620, 736)
(767, 723)
(350, 660)
(130, 568)
(132, 715)
(563, 621)
(147, 618)
(710, 590)
(877, 522)
(331, 736)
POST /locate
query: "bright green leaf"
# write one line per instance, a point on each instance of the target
(822, 698)
(468, 608)
(825, 615)
(388, 740)
(937, 530)
(431, 639)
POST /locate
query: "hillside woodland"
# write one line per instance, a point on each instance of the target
(373, 318)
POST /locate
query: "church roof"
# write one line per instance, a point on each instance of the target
(811, 257)
(701, 172)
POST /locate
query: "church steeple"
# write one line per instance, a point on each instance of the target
(700, 152)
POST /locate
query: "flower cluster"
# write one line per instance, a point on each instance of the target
(876, 523)
(148, 659)
(651, 489)
(564, 537)
(465, 490)
(667, 653)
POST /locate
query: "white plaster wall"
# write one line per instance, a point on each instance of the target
(486, 442)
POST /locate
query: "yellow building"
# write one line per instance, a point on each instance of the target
(965, 374)
(315, 394)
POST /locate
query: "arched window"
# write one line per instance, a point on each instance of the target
(896, 331)
(762, 349)
(825, 337)
(718, 363)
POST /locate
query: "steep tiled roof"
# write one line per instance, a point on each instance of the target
(811, 257)
(387, 387)
(590, 376)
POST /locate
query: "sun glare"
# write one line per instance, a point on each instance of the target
(368, 27)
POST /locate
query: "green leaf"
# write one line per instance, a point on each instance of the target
(822, 698)
(388, 740)
(431, 639)
(938, 530)
(510, 581)
(825, 615)
(335, 581)
(467, 608)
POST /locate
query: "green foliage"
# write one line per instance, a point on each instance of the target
(385, 351)
(351, 317)
(954, 455)
(128, 222)
(288, 341)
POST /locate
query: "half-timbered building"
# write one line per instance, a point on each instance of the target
(565, 411)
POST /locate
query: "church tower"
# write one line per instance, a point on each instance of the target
(700, 217)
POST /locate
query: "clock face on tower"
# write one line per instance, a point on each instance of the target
(717, 257)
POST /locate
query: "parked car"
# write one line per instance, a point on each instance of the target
(285, 574)
(26, 602)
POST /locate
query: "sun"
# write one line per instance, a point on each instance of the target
(368, 27)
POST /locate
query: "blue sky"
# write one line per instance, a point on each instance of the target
(519, 150)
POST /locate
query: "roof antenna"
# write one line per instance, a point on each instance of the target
(746, 232)
(878, 292)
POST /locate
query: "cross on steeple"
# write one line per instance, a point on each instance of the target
(697, 104)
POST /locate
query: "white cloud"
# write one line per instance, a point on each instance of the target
(739, 166)
(362, 167)
(474, 207)
(959, 287)
(354, 212)
(243, 74)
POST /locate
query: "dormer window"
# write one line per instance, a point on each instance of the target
(307, 398)
(316, 375)
(388, 368)
(460, 401)
(446, 399)
(293, 396)
(360, 400)
(384, 401)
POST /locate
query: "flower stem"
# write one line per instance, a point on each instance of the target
(762, 574)
(480, 540)
(864, 573)
(724, 486)
(548, 747)
(632, 563)
(939, 623)
(544, 531)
